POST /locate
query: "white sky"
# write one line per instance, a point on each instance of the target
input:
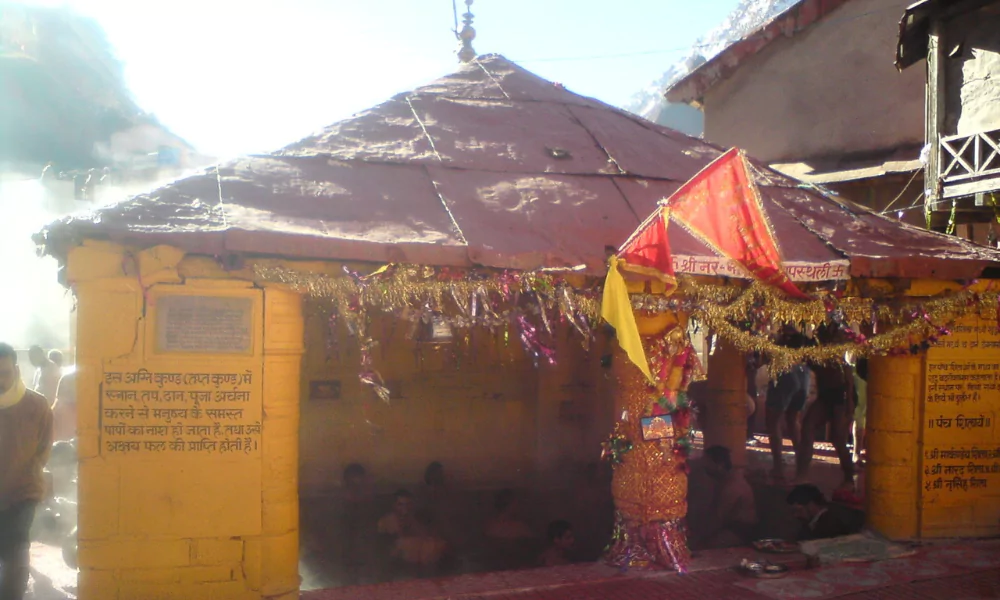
(235, 77)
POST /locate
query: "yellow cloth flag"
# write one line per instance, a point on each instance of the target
(616, 308)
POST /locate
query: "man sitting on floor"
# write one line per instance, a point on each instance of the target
(820, 519)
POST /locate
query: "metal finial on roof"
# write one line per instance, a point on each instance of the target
(466, 53)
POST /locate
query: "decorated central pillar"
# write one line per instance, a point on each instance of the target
(648, 449)
(722, 207)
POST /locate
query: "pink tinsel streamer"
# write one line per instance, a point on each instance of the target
(532, 345)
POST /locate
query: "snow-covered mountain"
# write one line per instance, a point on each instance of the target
(748, 16)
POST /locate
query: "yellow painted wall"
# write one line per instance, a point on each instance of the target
(478, 405)
(933, 442)
(172, 505)
(168, 518)
(959, 449)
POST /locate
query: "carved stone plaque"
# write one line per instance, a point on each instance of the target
(204, 325)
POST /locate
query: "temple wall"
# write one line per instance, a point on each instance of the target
(188, 459)
(959, 449)
(934, 445)
(479, 406)
(172, 506)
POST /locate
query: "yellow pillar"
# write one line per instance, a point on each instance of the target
(188, 458)
(556, 387)
(892, 476)
(649, 485)
(725, 402)
(283, 349)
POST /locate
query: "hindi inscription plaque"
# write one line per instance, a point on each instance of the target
(204, 325)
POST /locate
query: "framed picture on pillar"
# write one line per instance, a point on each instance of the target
(657, 428)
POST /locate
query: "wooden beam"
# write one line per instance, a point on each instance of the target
(934, 112)
(958, 190)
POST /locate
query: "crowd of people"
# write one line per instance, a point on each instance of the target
(430, 531)
(56, 382)
(805, 402)
(433, 530)
(732, 517)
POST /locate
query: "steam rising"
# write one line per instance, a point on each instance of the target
(36, 309)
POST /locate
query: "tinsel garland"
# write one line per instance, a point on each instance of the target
(749, 318)
(467, 298)
(498, 300)
(526, 304)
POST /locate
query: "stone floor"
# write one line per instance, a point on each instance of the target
(711, 577)
(958, 572)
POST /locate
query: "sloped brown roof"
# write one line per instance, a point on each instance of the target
(489, 166)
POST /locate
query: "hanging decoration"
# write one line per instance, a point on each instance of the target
(616, 309)
(750, 322)
(461, 298)
(529, 305)
(616, 446)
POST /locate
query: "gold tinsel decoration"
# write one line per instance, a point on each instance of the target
(401, 288)
(901, 327)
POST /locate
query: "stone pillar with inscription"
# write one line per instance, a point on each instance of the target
(933, 444)
(187, 475)
(959, 452)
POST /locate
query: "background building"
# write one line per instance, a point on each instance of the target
(812, 93)
(961, 42)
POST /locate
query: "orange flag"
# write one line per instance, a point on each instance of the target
(647, 252)
(722, 207)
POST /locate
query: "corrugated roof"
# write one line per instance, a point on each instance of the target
(489, 166)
